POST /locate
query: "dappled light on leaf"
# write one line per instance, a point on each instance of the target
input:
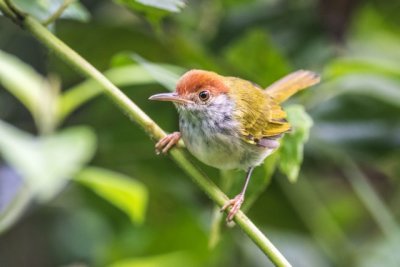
(124, 192)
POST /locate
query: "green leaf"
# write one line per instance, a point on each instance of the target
(87, 90)
(21, 81)
(260, 180)
(369, 85)
(168, 77)
(291, 151)
(256, 57)
(126, 75)
(176, 259)
(43, 9)
(361, 65)
(168, 5)
(36, 93)
(149, 5)
(46, 163)
(122, 191)
(154, 10)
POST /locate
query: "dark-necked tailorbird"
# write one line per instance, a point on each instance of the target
(231, 123)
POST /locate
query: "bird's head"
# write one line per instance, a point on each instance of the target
(196, 90)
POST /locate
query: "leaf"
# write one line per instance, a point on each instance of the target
(149, 5)
(155, 10)
(361, 65)
(260, 180)
(380, 252)
(46, 163)
(175, 259)
(122, 191)
(291, 151)
(169, 5)
(21, 81)
(43, 9)
(369, 85)
(255, 56)
(87, 90)
(166, 77)
(126, 75)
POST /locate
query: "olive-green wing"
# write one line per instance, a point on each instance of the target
(260, 115)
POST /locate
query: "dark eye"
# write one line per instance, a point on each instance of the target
(204, 95)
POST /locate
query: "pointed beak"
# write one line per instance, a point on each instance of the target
(173, 97)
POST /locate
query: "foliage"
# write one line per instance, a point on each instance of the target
(347, 190)
(291, 152)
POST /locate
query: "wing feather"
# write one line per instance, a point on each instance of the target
(260, 114)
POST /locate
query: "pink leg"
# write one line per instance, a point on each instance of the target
(165, 144)
(236, 202)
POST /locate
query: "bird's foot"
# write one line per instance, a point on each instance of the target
(165, 144)
(235, 205)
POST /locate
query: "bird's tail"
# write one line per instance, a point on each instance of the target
(291, 84)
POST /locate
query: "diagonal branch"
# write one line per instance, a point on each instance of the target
(149, 126)
(58, 12)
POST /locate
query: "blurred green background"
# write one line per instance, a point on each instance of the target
(80, 184)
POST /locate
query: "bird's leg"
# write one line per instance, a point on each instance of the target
(167, 142)
(237, 201)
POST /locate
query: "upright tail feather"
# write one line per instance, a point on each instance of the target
(291, 84)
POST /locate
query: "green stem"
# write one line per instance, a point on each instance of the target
(371, 200)
(318, 219)
(151, 128)
(58, 12)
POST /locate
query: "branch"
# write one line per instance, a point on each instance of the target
(58, 12)
(150, 127)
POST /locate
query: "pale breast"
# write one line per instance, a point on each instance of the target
(216, 142)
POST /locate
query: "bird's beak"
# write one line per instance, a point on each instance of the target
(173, 97)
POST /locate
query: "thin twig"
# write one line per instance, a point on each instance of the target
(11, 11)
(58, 12)
(371, 200)
(152, 129)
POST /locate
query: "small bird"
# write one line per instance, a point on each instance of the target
(231, 123)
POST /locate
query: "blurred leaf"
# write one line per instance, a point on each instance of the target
(166, 77)
(369, 85)
(122, 191)
(362, 65)
(176, 259)
(291, 150)
(126, 75)
(257, 57)
(169, 5)
(21, 81)
(37, 94)
(43, 9)
(87, 90)
(260, 180)
(76, 11)
(154, 10)
(381, 252)
(46, 163)
(149, 5)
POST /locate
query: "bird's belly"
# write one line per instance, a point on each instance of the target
(223, 151)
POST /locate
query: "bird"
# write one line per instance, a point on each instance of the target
(231, 123)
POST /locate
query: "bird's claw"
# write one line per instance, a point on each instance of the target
(165, 144)
(235, 205)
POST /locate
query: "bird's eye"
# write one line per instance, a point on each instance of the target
(204, 95)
